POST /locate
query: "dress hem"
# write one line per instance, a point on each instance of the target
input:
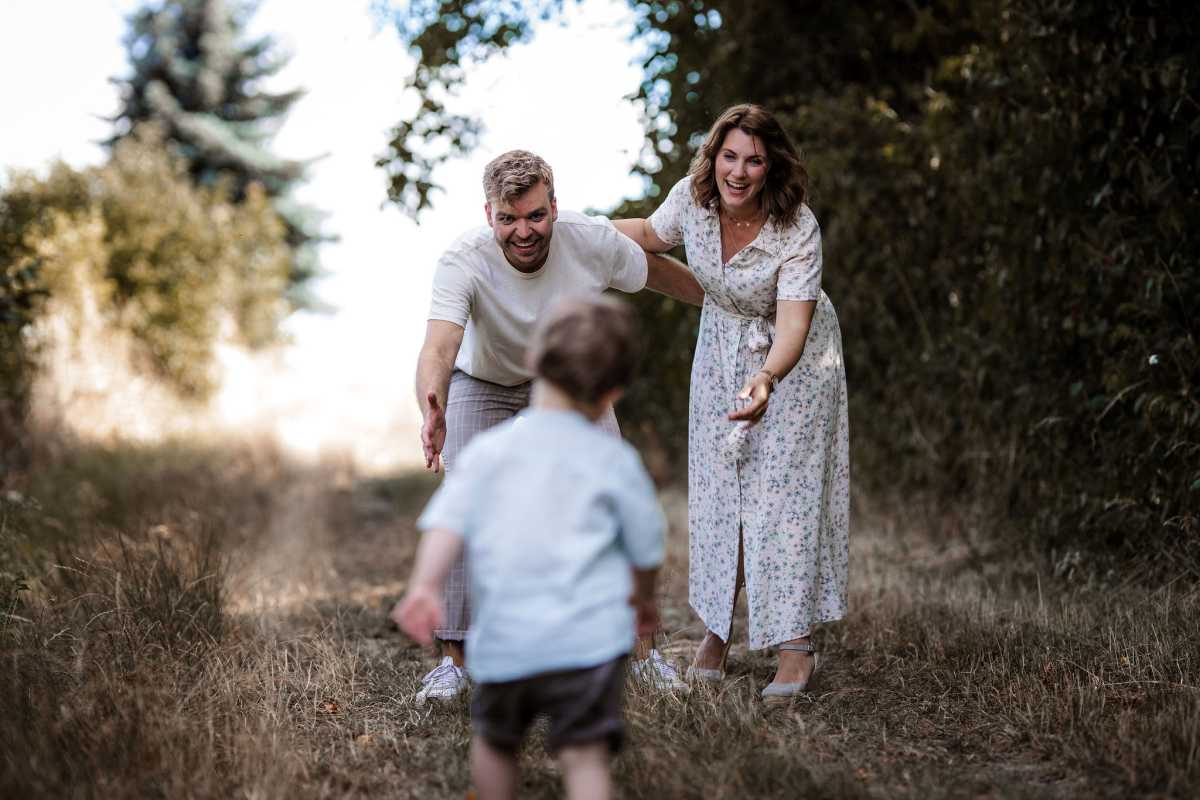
(825, 620)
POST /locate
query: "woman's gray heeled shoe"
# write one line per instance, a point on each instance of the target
(782, 692)
(695, 674)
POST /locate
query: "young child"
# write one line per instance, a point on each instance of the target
(564, 536)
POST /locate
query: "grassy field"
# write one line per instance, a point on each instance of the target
(209, 620)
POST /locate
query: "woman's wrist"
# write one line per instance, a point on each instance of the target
(771, 377)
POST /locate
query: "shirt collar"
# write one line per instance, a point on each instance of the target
(770, 239)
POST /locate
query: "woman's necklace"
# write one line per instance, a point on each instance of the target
(736, 233)
(741, 225)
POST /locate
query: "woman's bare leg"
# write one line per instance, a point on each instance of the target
(711, 652)
(794, 666)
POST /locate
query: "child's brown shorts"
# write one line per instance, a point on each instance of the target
(584, 706)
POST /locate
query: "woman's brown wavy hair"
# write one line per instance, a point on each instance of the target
(786, 186)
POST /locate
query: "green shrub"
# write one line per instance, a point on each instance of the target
(1008, 198)
(153, 254)
(1015, 268)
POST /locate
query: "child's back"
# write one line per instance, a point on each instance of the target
(562, 534)
(554, 512)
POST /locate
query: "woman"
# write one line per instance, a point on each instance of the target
(768, 436)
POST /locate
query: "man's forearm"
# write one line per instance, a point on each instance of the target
(433, 375)
(671, 277)
(436, 361)
(434, 366)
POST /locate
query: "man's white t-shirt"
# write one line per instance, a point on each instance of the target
(498, 305)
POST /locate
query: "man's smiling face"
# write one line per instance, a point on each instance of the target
(523, 227)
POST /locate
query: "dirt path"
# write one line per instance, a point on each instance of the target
(331, 544)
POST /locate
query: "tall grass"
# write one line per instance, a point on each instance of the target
(114, 632)
(210, 621)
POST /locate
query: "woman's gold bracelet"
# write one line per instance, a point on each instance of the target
(774, 378)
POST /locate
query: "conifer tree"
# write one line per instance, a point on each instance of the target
(197, 77)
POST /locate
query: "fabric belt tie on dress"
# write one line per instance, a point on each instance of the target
(760, 333)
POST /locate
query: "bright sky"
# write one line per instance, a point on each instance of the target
(347, 382)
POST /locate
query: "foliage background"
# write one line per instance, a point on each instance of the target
(1008, 195)
(1008, 192)
(198, 75)
(186, 235)
(136, 243)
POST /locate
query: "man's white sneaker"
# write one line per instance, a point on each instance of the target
(659, 673)
(443, 682)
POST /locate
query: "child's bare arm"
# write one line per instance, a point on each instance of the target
(643, 601)
(644, 581)
(420, 613)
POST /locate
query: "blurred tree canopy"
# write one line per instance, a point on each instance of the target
(138, 244)
(1009, 197)
(187, 233)
(194, 74)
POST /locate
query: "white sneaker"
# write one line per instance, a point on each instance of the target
(659, 673)
(444, 682)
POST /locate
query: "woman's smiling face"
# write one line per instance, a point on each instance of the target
(740, 168)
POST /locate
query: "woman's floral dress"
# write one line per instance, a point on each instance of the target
(788, 486)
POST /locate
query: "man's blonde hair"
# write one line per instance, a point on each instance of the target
(512, 174)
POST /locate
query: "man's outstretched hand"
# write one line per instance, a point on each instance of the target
(433, 432)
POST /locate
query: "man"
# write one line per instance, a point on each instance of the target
(489, 290)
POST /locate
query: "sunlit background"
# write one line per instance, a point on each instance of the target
(345, 383)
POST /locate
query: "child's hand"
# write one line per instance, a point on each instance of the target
(646, 620)
(419, 614)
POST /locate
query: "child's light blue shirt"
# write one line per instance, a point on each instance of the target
(554, 512)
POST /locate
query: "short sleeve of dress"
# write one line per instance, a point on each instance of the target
(667, 220)
(452, 292)
(800, 272)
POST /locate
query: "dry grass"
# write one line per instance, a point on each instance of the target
(211, 621)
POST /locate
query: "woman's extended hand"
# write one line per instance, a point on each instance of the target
(754, 394)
